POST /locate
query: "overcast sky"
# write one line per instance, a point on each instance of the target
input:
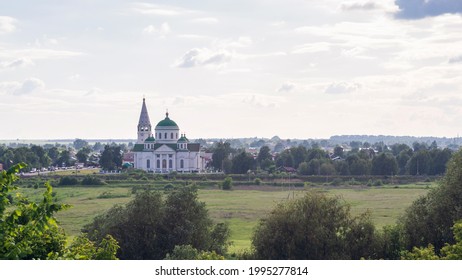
(231, 68)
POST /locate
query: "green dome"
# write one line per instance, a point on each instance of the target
(167, 122)
(150, 139)
(183, 139)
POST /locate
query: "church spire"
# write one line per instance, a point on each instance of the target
(144, 117)
(144, 124)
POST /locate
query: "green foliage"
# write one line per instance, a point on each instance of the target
(314, 227)
(68, 181)
(29, 230)
(384, 164)
(447, 252)
(257, 181)
(227, 183)
(221, 152)
(429, 219)
(149, 227)
(242, 163)
(187, 252)
(84, 249)
(92, 181)
(337, 182)
(111, 158)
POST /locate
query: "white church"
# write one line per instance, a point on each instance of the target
(165, 150)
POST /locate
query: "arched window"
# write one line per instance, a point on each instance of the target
(176, 135)
(160, 135)
(181, 163)
(164, 164)
(148, 164)
(170, 164)
(158, 164)
(165, 134)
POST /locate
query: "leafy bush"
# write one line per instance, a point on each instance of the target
(337, 182)
(378, 183)
(430, 218)
(149, 227)
(187, 252)
(111, 195)
(314, 227)
(227, 183)
(68, 181)
(92, 181)
(257, 181)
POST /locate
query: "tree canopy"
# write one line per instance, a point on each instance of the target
(150, 226)
(313, 227)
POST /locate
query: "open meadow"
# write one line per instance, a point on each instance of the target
(241, 207)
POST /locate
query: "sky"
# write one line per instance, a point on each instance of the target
(231, 68)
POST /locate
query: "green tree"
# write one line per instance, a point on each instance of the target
(111, 158)
(53, 153)
(82, 154)
(79, 144)
(264, 158)
(314, 227)
(338, 151)
(29, 230)
(430, 218)
(285, 159)
(448, 252)
(420, 163)
(384, 164)
(221, 151)
(242, 163)
(149, 227)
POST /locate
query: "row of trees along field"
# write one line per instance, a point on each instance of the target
(108, 156)
(397, 159)
(175, 225)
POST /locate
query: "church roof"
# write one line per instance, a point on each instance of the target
(166, 122)
(150, 139)
(183, 139)
(144, 117)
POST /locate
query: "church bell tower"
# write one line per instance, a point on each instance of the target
(144, 125)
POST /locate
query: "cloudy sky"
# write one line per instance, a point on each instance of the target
(231, 68)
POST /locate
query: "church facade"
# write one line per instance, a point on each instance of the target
(165, 150)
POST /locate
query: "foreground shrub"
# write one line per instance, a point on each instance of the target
(314, 227)
(92, 181)
(68, 181)
(149, 227)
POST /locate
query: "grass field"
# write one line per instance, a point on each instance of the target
(241, 208)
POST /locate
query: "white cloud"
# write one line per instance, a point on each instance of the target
(74, 77)
(455, 59)
(312, 48)
(286, 87)
(94, 91)
(342, 87)
(241, 42)
(7, 24)
(207, 20)
(159, 10)
(263, 101)
(368, 5)
(193, 36)
(20, 62)
(162, 31)
(203, 57)
(36, 53)
(29, 86)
